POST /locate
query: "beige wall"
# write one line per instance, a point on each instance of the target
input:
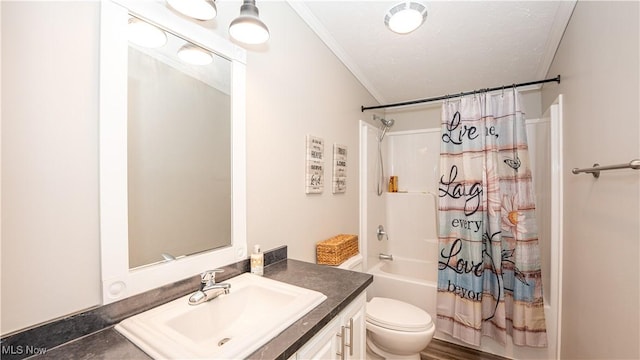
(296, 88)
(50, 238)
(599, 62)
(50, 245)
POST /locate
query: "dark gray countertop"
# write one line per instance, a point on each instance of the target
(340, 286)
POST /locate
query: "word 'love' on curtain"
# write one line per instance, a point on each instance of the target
(489, 280)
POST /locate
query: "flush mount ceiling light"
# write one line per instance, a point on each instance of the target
(144, 34)
(197, 9)
(405, 17)
(248, 28)
(194, 55)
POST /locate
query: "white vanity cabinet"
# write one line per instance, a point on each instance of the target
(343, 338)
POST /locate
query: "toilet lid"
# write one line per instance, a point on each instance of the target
(397, 315)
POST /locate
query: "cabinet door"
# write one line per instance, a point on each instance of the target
(354, 319)
(324, 345)
(343, 338)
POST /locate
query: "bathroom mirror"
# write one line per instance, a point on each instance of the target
(172, 152)
(178, 152)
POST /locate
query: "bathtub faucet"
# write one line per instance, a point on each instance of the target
(380, 233)
(382, 256)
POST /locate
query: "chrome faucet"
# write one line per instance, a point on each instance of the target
(382, 256)
(209, 289)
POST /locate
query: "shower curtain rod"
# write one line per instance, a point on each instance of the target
(444, 97)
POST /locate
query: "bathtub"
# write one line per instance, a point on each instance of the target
(409, 280)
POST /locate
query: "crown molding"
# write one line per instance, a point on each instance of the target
(560, 22)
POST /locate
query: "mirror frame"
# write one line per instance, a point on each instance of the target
(118, 281)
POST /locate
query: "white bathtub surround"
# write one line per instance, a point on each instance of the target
(372, 206)
(411, 223)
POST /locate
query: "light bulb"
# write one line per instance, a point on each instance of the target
(197, 9)
(194, 55)
(405, 17)
(249, 31)
(248, 28)
(145, 34)
(405, 21)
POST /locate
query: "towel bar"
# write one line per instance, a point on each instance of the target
(595, 170)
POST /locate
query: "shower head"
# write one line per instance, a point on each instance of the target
(385, 122)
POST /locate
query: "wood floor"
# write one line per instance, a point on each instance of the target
(442, 350)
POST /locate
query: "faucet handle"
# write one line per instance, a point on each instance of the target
(209, 277)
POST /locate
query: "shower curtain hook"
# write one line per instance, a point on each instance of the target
(502, 91)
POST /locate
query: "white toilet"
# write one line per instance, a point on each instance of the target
(395, 329)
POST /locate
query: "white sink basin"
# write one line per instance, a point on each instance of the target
(230, 326)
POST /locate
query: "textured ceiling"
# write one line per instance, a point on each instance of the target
(461, 47)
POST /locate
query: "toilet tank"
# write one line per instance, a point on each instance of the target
(353, 263)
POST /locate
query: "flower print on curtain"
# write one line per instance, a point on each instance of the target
(489, 280)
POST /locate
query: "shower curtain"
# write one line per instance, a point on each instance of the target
(489, 280)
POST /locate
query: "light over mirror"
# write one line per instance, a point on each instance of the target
(172, 157)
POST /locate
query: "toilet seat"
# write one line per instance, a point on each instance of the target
(397, 315)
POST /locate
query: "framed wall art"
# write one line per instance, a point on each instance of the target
(314, 169)
(339, 168)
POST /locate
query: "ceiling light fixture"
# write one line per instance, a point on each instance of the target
(248, 28)
(194, 55)
(405, 17)
(144, 34)
(197, 9)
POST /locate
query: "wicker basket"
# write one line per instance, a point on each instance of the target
(336, 250)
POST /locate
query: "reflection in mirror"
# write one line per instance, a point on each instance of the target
(179, 151)
(172, 151)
